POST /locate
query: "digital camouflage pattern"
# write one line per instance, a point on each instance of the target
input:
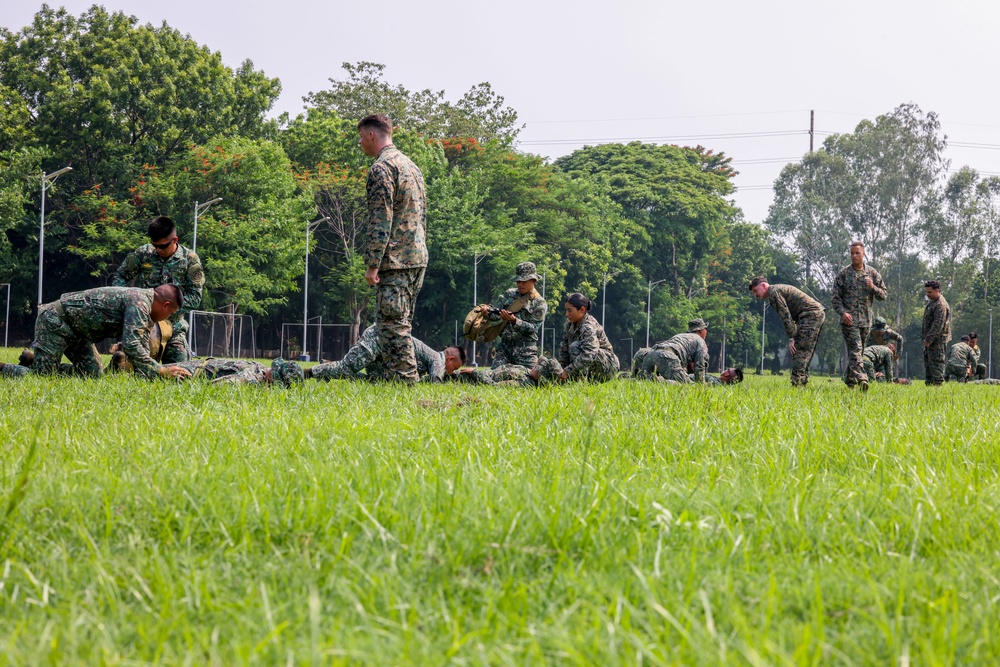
(881, 334)
(878, 359)
(851, 295)
(397, 207)
(13, 370)
(396, 299)
(146, 269)
(980, 369)
(803, 318)
(960, 360)
(586, 351)
(364, 361)
(511, 375)
(681, 351)
(518, 341)
(73, 324)
(935, 332)
(242, 371)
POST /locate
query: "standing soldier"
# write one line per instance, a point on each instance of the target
(853, 291)
(523, 308)
(961, 361)
(980, 369)
(163, 261)
(395, 249)
(803, 318)
(936, 332)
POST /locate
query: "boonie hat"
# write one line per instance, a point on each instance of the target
(525, 271)
(696, 325)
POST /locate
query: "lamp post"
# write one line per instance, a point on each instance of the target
(649, 303)
(990, 374)
(763, 321)
(305, 288)
(477, 257)
(541, 343)
(6, 320)
(631, 350)
(47, 180)
(198, 208)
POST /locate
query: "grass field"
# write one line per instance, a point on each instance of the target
(617, 524)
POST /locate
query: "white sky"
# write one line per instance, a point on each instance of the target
(585, 71)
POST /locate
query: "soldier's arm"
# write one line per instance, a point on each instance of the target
(937, 325)
(530, 318)
(838, 301)
(564, 359)
(127, 272)
(135, 341)
(781, 307)
(431, 360)
(192, 283)
(701, 364)
(380, 192)
(878, 287)
(588, 350)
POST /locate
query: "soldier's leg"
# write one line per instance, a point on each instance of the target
(607, 366)
(52, 337)
(928, 372)
(980, 371)
(86, 360)
(937, 354)
(669, 367)
(855, 367)
(397, 296)
(176, 350)
(365, 354)
(806, 339)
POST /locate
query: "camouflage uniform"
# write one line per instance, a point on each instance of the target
(669, 359)
(365, 357)
(960, 360)
(13, 370)
(803, 318)
(144, 268)
(518, 340)
(512, 375)
(586, 352)
(980, 369)
(395, 244)
(851, 295)
(242, 371)
(77, 320)
(881, 334)
(936, 332)
(878, 359)
(986, 381)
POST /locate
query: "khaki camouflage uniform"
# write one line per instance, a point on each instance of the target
(146, 269)
(77, 320)
(671, 358)
(960, 360)
(878, 359)
(512, 375)
(980, 369)
(242, 371)
(851, 295)
(364, 361)
(395, 244)
(518, 341)
(803, 318)
(586, 353)
(936, 331)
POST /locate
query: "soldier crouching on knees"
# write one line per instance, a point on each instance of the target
(586, 352)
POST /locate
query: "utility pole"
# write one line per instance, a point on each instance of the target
(763, 321)
(649, 304)
(812, 128)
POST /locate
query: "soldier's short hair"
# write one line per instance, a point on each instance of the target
(170, 292)
(376, 121)
(856, 243)
(461, 351)
(756, 281)
(973, 334)
(965, 338)
(160, 228)
(933, 284)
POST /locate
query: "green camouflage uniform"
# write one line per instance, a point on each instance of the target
(364, 360)
(242, 371)
(512, 375)
(851, 295)
(657, 371)
(518, 341)
(960, 360)
(986, 381)
(77, 320)
(395, 244)
(144, 268)
(13, 370)
(670, 359)
(980, 369)
(936, 332)
(803, 318)
(883, 335)
(878, 359)
(586, 352)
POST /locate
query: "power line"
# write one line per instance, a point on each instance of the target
(624, 120)
(733, 135)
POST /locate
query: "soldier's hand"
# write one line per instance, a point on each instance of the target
(791, 347)
(507, 315)
(869, 283)
(847, 319)
(564, 376)
(534, 374)
(371, 276)
(926, 345)
(174, 372)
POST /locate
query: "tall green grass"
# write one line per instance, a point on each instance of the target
(618, 524)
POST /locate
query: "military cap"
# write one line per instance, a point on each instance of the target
(525, 271)
(696, 325)
(879, 324)
(286, 372)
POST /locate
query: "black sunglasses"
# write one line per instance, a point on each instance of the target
(164, 246)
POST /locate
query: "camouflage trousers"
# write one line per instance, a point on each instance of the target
(661, 363)
(13, 370)
(808, 328)
(980, 371)
(397, 298)
(54, 338)
(365, 355)
(177, 349)
(959, 373)
(604, 367)
(226, 371)
(518, 355)
(513, 375)
(935, 358)
(854, 338)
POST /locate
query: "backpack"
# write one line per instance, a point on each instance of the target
(481, 329)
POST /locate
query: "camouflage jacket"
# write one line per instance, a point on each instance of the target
(878, 359)
(691, 349)
(936, 327)
(106, 312)
(961, 355)
(591, 337)
(976, 353)
(518, 341)
(366, 355)
(147, 270)
(884, 337)
(792, 303)
(851, 294)
(397, 206)
(226, 371)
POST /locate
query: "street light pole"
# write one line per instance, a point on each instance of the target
(649, 304)
(476, 258)
(47, 180)
(6, 320)
(631, 350)
(198, 208)
(763, 321)
(305, 288)
(541, 343)
(990, 374)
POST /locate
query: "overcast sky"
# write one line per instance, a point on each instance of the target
(673, 72)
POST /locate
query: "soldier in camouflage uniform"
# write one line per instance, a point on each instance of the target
(77, 320)
(364, 361)
(671, 359)
(648, 362)
(230, 371)
(523, 309)
(395, 250)
(935, 332)
(545, 371)
(961, 361)
(803, 319)
(853, 291)
(877, 360)
(881, 334)
(586, 352)
(981, 370)
(163, 261)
